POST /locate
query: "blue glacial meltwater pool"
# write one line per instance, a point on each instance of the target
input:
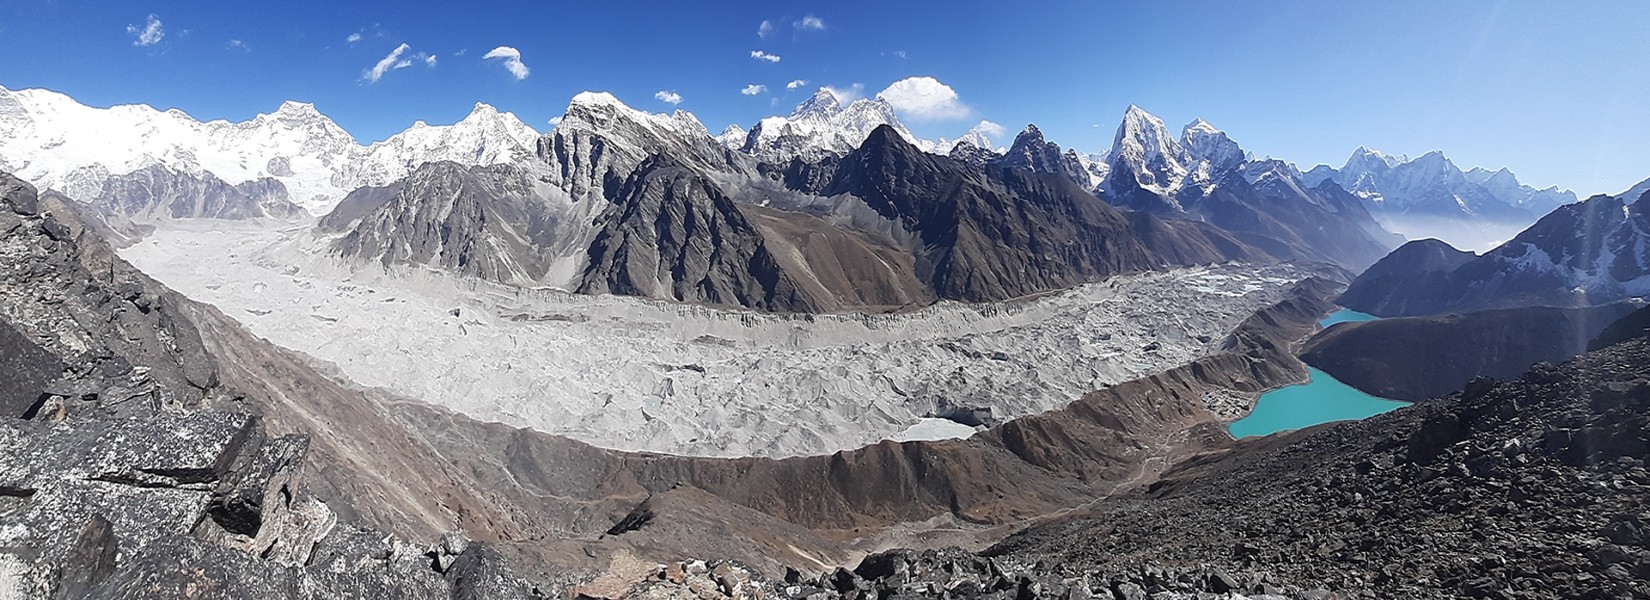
(1320, 400)
(1346, 315)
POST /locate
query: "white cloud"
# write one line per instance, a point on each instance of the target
(461, 52)
(847, 94)
(899, 53)
(353, 38)
(810, 23)
(237, 45)
(429, 59)
(924, 99)
(556, 120)
(668, 97)
(764, 29)
(760, 55)
(388, 63)
(796, 83)
(150, 34)
(512, 60)
(754, 89)
(990, 129)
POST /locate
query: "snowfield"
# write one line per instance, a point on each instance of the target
(634, 374)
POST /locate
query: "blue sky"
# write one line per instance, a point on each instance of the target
(1557, 91)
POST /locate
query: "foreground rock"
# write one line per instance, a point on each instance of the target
(132, 471)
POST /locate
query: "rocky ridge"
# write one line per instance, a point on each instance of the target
(135, 471)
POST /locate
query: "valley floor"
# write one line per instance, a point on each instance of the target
(641, 375)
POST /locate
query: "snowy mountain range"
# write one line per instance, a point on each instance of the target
(822, 126)
(52, 140)
(1429, 196)
(82, 151)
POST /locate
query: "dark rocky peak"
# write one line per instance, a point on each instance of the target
(1582, 234)
(1423, 256)
(1032, 152)
(886, 137)
(967, 152)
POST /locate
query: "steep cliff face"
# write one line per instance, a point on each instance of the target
(158, 192)
(500, 223)
(671, 233)
(600, 141)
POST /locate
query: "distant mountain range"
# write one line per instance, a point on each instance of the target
(55, 142)
(1430, 197)
(619, 200)
(1585, 254)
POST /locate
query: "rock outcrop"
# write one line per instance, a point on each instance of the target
(133, 470)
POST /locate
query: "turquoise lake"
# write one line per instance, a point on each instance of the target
(1321, 400)
(1346, 315)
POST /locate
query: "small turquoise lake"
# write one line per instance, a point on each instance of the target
(1346, 315)
(1321, 400)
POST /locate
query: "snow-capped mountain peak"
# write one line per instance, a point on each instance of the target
(977, 137)
(732, 138)
(1144, 150)
(1206, 143)
(823, 104)
(821, 126)
(1365, 157)
(599, 111)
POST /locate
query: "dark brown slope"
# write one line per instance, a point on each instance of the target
(1415, 358)
(671, 233)
(1388, 287)
(486, 222)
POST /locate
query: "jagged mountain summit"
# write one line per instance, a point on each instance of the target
(1584, 254)
(1145, 156)
(979, 137)
(58, 143)
(822, 126)
(1205, 175)
(1032, 152)
(1429, 196)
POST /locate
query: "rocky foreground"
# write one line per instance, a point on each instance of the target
(131, 471)
(1530, 488)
